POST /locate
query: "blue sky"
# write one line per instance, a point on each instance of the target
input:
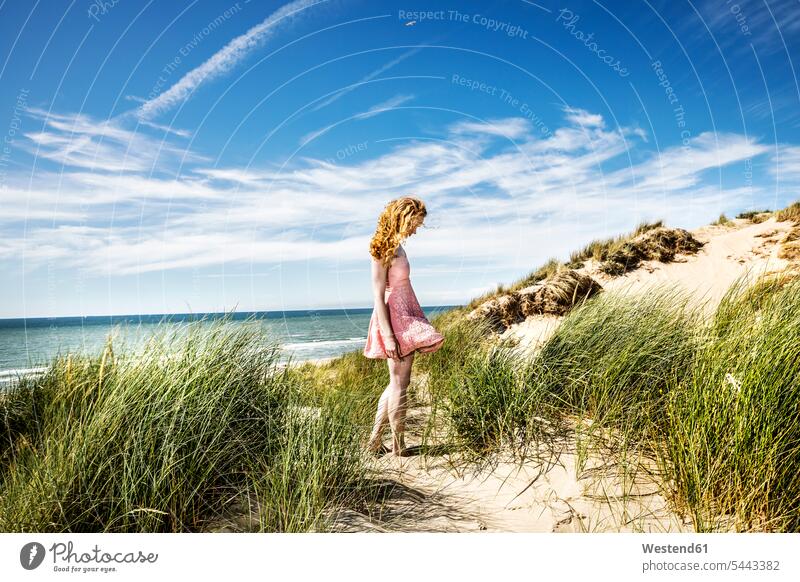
(162, 157)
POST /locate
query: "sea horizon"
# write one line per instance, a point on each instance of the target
(28, 344)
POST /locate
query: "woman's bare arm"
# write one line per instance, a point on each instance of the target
(378, 291)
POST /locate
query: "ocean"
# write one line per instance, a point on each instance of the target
(28, 345)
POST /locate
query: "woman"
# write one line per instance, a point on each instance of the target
(398, 327)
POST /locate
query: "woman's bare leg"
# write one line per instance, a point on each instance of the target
(381, 418)
(400, 373)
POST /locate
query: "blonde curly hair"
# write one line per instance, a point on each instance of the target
(395, 225)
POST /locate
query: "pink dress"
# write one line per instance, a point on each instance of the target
(410, 326)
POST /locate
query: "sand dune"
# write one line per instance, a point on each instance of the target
(741, 249)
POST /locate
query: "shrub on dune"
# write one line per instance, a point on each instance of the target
(755, 216)
(659, 244)
(790, 246)
(556, 295)
(600, 249)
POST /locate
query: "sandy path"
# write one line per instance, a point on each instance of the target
(427, 493)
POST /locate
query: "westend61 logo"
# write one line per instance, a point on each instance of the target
(65, 559)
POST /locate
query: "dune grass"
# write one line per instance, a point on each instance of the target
(463, 378)
(319, 469)
(610, 359)
(167, 437)
(202, 427)
(722, 220)
(734, 438)
(791, 212)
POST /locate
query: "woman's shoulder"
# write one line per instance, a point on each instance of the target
(399, 253)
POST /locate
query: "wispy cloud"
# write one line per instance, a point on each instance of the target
(226, 58)
(101, 145)
(387, 105)
(380, 70)
(682, 167)
(785, 164)
(510, 127)
(312, 135)
(768, 26)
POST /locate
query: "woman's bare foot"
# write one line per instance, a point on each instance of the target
(399, 448)
(381, 450)
(377, 448)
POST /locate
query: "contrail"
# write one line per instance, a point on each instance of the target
(372, 75)
(226, 58)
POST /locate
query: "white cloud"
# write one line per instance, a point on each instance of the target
(682, 167)
(500, 205)
(583, 118)
(785, 164)
(226, 58)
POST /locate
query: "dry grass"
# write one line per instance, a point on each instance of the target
(791, 212)
(790, 245)
(600, 249)
(660, 244)
(790, 251)
(498, 313)
(554, 296)
(559, 294)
